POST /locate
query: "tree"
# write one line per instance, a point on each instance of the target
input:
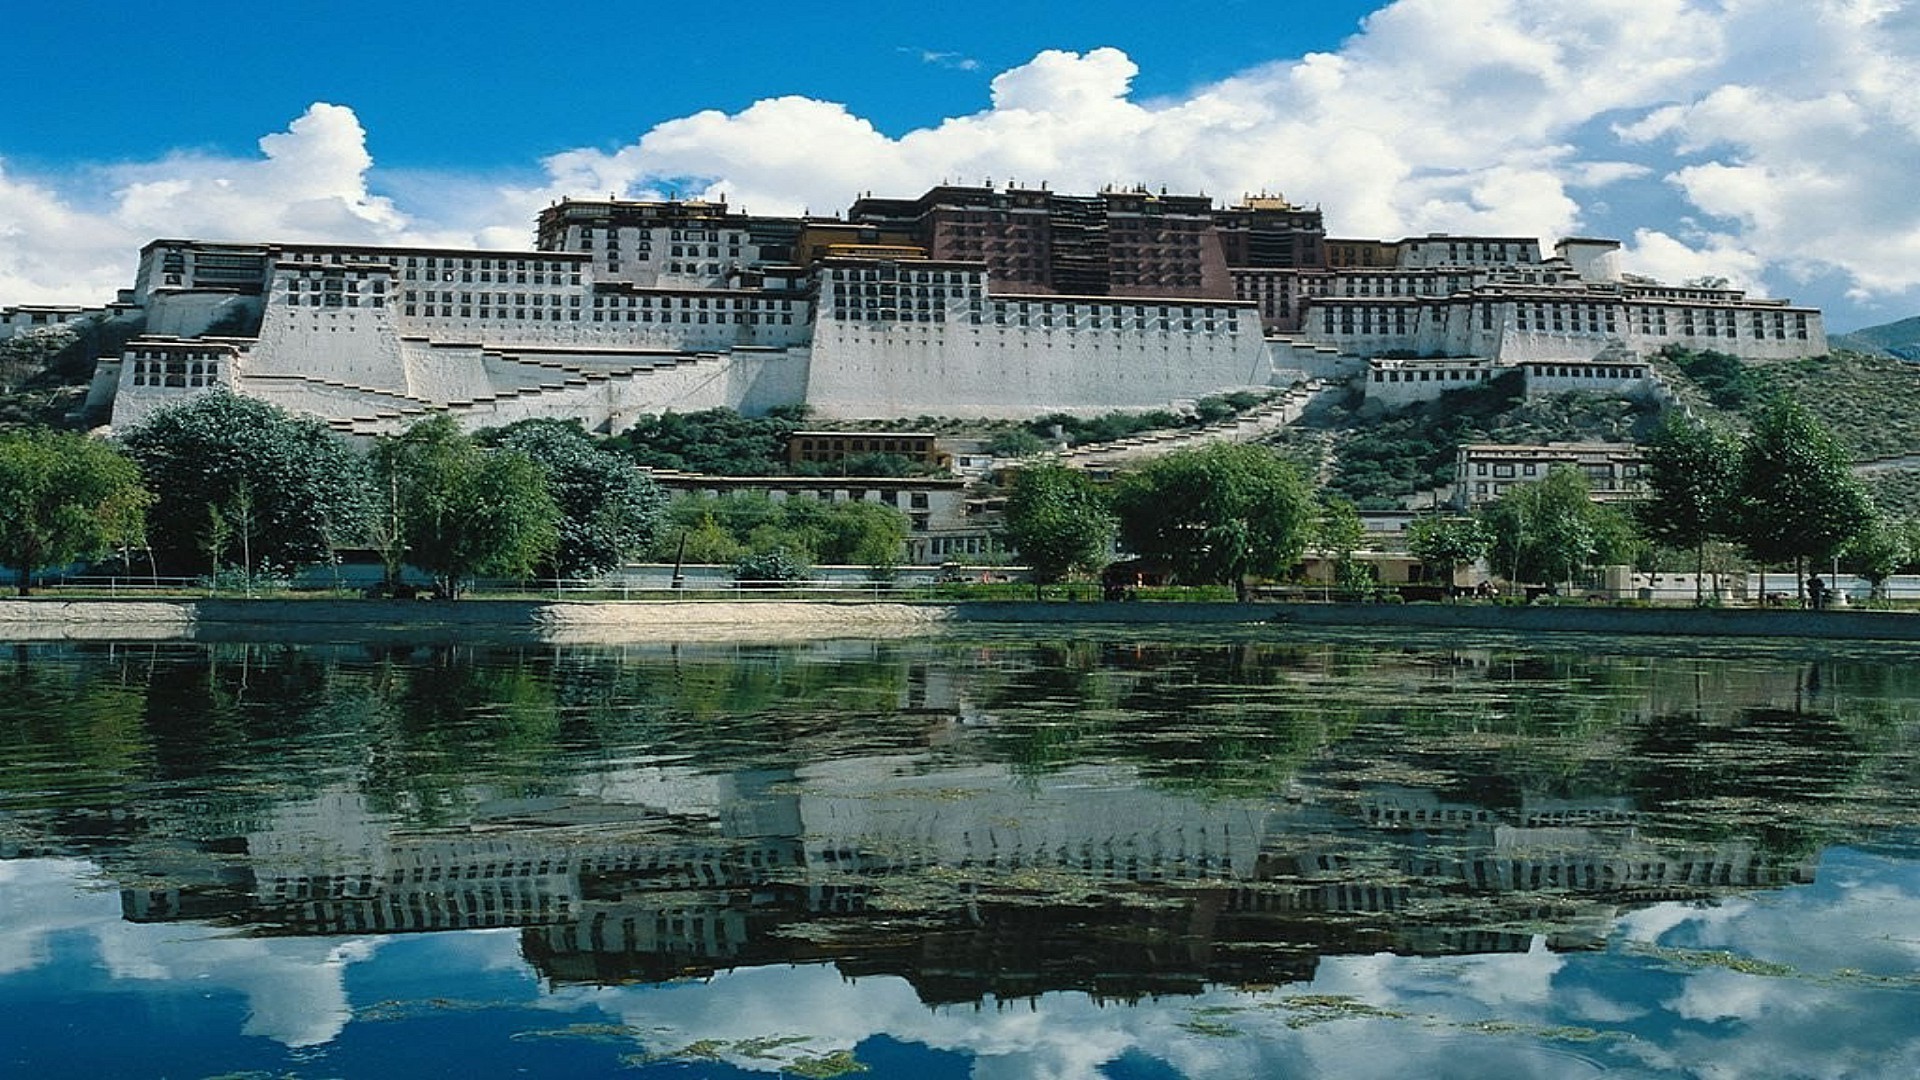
(1217, 514)
(1876, 553)
(1015, 443)
(1693, 474)
(852, 533)
(1797, 499)
(64, 497)
(717, 441)
(1338, 532)
(1447, 543)
(289, 489)
(720, 529)
(609, 510)
(1061, 522)
(462, 509)
(769, 568)
(1545, 530)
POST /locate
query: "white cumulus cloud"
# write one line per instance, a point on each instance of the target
(1780, 130)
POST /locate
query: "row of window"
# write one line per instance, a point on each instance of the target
(904, 276)
(1395, 375)
(723, 303)
(1586, 371)
(335, 284)
(497, 299)
(741, 318)
(335, 299)
(492, 277)
(1592, 470)
(175, 372)
(446, 311)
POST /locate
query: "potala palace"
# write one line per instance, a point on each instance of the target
(967, 301)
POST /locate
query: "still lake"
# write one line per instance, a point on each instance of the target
(1104, 853)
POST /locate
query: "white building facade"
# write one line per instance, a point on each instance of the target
(634, 308)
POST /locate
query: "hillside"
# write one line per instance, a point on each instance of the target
(1899, 339)
(1377, 458)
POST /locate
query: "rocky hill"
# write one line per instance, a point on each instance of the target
(1900, 339)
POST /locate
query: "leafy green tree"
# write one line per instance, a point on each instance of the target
(703, 540)
(1217, 514)
(719, 529)
(853, 533)
(1338, 531)
(64, 497)
(775, 567)
(1876, 553)
(1015, 443)
(1798, 499)
(717, 441)
(1693, 475)
(610, 511)
(462, 509)
(1543, 531)
(288, 489)
(1061, 522)
(1448, 543)
(1617, 539)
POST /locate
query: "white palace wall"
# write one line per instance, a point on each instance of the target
(869, 369)
(370, 338)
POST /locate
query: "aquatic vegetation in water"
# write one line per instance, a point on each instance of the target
(1309, 1009)
(826, 1066)
(1715, 958)
(838, 1063)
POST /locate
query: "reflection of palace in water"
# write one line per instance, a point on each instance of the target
(908, 844)
(968, 881)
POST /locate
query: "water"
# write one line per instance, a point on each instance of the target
(1112, 854)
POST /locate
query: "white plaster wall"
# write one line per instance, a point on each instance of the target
(442, 373)
(302, 395)
(133, 404)
(889, 369)
(1556, 384)
(1519, 346)
(1407, 391)
(1791, 347)
(1292, 359)
(357, 346)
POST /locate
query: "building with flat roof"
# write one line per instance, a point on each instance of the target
(1485, 471)
(1003, 302)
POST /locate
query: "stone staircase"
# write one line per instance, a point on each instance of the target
(524, 385)
(1250, 426)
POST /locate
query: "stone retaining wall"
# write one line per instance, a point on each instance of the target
(311, 620)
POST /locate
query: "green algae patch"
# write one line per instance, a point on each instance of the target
(1309, 1009)
(1717, 958)
(838, 1063)
(588, 1032)
(412, 1010)
(763, 1048)
(1212, 1029)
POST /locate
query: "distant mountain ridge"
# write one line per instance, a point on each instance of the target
(1900, 339)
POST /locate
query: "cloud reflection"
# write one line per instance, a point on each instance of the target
(1809, 981)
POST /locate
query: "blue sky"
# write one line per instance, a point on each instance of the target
(1772, 142)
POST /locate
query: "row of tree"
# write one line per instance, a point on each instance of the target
(1783, 492)
(222, 481)
(1222, 514)
(226, 483)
